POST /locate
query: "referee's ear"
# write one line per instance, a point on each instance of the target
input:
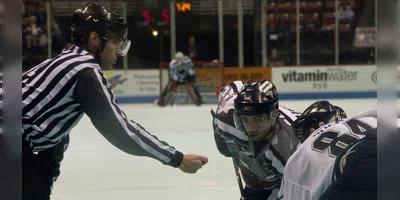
(93, 42)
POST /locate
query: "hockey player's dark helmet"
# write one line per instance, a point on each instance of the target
(97, 18)
(320, 111)
(256, 97)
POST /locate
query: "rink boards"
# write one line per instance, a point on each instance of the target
(306, 82)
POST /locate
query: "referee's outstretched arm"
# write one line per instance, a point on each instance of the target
(58, 91)
(98, 102)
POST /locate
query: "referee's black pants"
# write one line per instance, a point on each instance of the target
(39, 171)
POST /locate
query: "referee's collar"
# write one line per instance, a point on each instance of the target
(76, 49)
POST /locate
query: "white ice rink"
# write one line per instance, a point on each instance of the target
(95, 170)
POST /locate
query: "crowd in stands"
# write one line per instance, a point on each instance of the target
(34, 33)
(317, 25)
(317, 29)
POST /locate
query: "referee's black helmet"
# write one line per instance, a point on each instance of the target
(106, 23)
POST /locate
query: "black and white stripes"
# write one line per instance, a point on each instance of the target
(56, 94)
(48, 110)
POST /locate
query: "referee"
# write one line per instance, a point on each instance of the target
(57, 92)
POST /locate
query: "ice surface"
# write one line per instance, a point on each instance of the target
(95, 170)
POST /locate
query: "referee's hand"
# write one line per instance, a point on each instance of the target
(191, 163)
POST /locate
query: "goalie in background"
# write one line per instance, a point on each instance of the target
(181, 72)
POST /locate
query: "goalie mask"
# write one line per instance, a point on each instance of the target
(179, 56)
(256, 109)
(320, 111)
(107, 24)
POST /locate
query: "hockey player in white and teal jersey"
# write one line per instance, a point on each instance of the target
(337, 161)
(256, 132)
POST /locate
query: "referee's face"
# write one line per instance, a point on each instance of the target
(110, 54)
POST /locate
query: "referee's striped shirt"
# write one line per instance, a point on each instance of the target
(56, 94)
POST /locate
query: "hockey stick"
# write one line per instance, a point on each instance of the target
(238, 177)
(239, 180)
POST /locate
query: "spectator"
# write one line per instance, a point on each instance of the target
(314, 24)
(345, 13)
(34, 34)
(348, 13)
(275, 60)
(192, 48)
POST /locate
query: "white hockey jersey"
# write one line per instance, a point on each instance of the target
(267, 163)
(308, 172)
(179, 70)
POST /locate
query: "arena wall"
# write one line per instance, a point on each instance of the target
(313, 82)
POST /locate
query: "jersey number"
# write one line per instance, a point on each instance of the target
(330, 140)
